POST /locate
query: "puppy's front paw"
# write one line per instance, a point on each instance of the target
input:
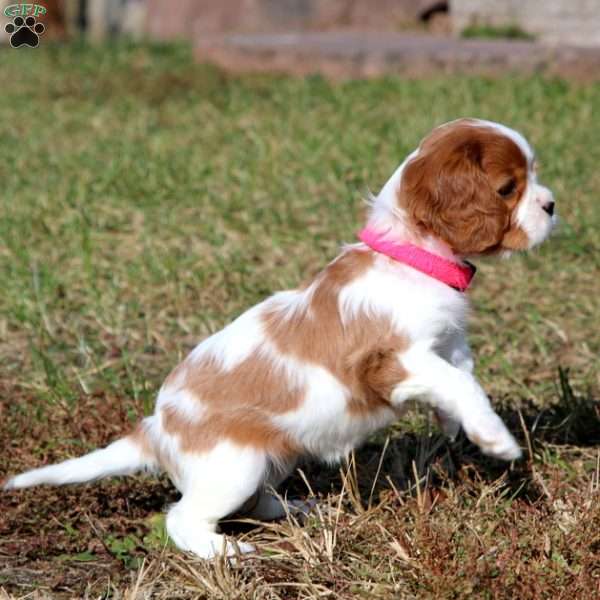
(491, 435)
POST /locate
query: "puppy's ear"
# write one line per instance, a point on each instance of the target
(446, 192)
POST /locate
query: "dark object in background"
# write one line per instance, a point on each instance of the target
(54, 20)
(190, 18)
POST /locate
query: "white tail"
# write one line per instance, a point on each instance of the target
(123, 457)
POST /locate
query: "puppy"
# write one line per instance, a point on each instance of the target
(316, 370)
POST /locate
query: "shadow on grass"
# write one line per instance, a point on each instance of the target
(574, 420)
(399, 461)
(385, 463)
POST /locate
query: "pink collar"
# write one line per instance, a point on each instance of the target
(457, 276)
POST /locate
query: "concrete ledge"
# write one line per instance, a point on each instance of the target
(552, 21)
(353, 54)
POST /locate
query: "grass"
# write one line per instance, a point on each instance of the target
(510, 31)
(147, 200)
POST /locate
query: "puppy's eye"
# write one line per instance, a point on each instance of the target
(508, 189)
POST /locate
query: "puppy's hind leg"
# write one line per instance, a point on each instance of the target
(216, 484)
(269, 506)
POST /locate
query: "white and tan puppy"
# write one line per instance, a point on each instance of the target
(316, 370)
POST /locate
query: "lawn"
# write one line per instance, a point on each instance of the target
(147, 200)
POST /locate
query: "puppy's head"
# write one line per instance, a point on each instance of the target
(473, 185)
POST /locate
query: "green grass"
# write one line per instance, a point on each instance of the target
(509, 31)
(147, 200)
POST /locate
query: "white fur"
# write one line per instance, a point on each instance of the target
(177, 397)
(233, 343)
(119, 458)
(456, 393)
(530, 216)
(216, 484)
(419, 306)
(322, 424)
(431, 315)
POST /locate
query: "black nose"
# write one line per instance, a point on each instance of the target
(549, 208)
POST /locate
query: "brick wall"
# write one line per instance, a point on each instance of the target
(574, 22)
(188, 18)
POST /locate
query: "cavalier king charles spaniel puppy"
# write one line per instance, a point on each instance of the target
(316, 370)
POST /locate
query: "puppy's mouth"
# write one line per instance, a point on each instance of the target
(546, 229)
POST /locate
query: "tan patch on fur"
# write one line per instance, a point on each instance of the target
(140, 438)
(255, 383)
(350, 350)
(155, 455)
(240, 402)
(515, 239)
(244, 428)
(177, 374)
(237, 405)
(450, 189)
(379, 373)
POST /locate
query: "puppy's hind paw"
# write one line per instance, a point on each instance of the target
(269, 508)
(211, 545)
(302, 508)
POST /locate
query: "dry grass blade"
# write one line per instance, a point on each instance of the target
(537, 477)
(376, 478)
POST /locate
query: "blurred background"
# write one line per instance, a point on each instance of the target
(350, 38)
(166, 165)
(555, 21)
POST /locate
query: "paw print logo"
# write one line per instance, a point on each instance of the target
(24, 32)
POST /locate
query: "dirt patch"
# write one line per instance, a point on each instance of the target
(64, 539)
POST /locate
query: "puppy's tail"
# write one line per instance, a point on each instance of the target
(123, 457)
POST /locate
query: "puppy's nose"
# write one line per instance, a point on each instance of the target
(549, 207)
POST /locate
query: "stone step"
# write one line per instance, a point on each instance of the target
(358, 54)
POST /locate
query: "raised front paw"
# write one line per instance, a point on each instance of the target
(491, 435)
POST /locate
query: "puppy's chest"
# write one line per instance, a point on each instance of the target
(418, 307)
(343, 406)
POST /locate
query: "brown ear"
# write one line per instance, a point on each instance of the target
(447, 193)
